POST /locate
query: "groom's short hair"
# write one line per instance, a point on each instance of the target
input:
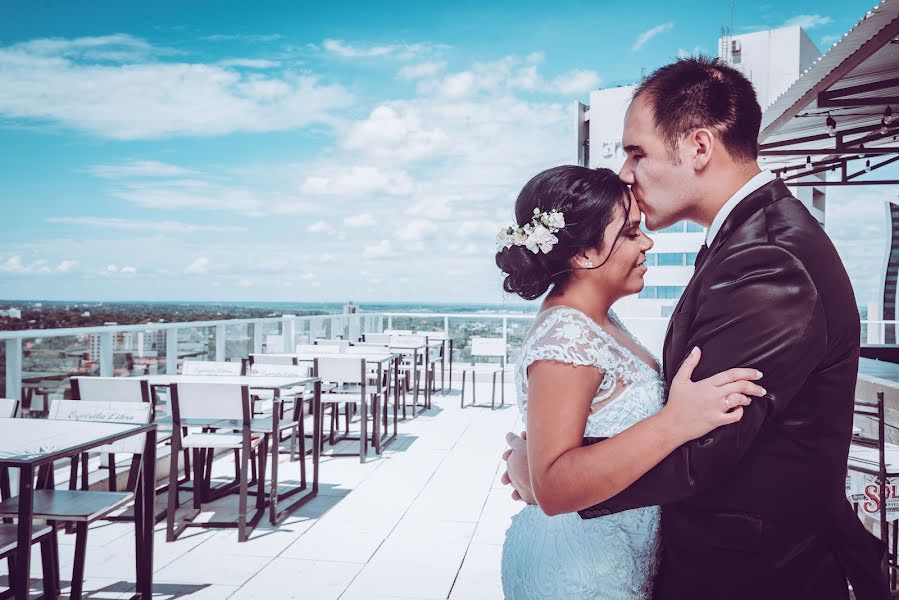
(705, 92)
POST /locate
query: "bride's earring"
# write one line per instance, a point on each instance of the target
(589, 264)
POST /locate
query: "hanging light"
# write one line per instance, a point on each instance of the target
(883, 126)
(868, 166)
(808, 162)
(888, 115)
(831, 126)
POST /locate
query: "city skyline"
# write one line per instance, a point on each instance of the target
(320, 153)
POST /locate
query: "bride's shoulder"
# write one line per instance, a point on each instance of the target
(563, 324)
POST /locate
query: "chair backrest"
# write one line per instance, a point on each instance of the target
(110, 389)
(408, 340)
(400, 331)
(274, 343)
(210, 401)
(106, 411)
(318, 349)
(482, 346)
(211, 367)
(340, 370)
(376, 338)
(367, 348)
(272, 359)
(279, 370)
(8, 408)
(338, 343)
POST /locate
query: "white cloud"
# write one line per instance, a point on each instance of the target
(137, 225)
(420, 70)
(321, 227)
(683, 53)
(359, 221)
(65, 266)
(139, 168)
(415, 230)
(647, 35)
(577, 81)
(358, 181)
(128, 270)
(395, 132)
(249, 63)
(198, 266)
(382, 249)
(327, 258)
(808, 21)
(61, 82)
(344, 49)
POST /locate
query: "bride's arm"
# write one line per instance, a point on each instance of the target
(567, 477)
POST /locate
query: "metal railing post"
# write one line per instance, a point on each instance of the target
(257, 337)
(506, 338)
(171, 351)
(220, 342)
(389, 322)
(445, 326)
(14, 368)
(106, 367)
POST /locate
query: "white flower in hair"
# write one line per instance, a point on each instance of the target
(541, 239)
(555, 220)
(537, 235)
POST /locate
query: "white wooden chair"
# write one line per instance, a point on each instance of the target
(350, 376)
(195, 406)
(377, 338)
(9, 407)
(482, 347)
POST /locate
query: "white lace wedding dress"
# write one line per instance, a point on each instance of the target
(608, 558)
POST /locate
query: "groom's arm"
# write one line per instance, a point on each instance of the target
(759, 309)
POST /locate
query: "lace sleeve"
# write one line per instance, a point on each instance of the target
(566, 336)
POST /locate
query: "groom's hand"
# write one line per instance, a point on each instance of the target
(517, 473)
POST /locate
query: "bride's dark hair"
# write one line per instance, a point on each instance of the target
(588, 199)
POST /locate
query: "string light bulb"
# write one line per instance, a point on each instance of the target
(868, 166)
(808, 162)
(831, 125)
(883, 126)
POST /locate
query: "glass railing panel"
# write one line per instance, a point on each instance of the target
(238, 341)
(196, 343)
(273, 336)
(48, 363)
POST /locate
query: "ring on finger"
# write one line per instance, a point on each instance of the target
(727, 403)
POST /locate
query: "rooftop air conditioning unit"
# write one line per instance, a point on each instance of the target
(735, 45)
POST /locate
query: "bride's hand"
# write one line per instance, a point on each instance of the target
(696, 408)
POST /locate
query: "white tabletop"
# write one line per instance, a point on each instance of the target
(259, 382)
(28, 439)
(310, 356)
(870, 457)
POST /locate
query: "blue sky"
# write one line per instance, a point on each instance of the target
(318, 151)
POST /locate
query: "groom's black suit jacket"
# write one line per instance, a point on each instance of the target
(757, 509)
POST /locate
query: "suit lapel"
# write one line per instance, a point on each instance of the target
(748, 206)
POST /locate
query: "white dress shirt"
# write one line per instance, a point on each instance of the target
(750, 186)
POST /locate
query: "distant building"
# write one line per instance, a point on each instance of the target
(12, 313)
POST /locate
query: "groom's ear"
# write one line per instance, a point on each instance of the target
(702, 144)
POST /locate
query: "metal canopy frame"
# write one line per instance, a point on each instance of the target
(858, 74)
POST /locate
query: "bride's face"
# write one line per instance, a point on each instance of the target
(624, 269)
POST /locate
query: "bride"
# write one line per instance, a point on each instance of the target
(580, 373)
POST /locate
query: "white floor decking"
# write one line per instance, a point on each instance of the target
(425, 520)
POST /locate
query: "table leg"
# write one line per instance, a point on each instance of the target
(414, 383)
(276, 436)
(147, 498)
(316, 435)
(23, 549)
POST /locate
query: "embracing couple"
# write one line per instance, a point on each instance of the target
(722, 476)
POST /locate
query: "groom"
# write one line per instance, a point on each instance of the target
(754, 510)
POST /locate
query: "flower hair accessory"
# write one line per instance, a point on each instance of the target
(537, 236)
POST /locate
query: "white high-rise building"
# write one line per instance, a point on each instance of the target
(772, 61)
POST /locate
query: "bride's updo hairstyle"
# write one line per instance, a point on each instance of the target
(589, 199)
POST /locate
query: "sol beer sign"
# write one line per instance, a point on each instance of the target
(865, 489)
